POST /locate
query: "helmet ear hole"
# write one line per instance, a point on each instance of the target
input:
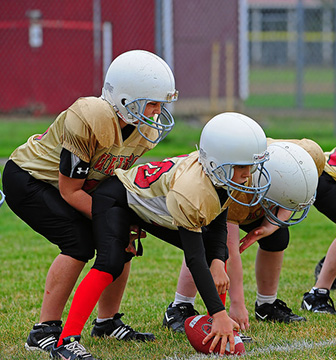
(213, 165)
(123, 101)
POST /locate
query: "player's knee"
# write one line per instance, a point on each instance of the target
(112, 262)
(114, 269)
(274, 246)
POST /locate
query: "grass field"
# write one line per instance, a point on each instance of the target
(25, 258)
(276, 87)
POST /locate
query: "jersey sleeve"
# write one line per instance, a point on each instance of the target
(215, 239)
(77, 137)
(183, 213)
(72, 166)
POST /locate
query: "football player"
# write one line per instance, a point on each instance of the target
(49, 180)
(294, 180)
(182, 200)
(318, 299)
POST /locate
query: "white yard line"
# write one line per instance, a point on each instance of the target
(281, 348)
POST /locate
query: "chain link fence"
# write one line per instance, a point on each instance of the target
(226, 55)
(292, 54)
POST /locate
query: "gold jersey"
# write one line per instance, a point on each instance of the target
(244, 215)
(330, 166)
(89, 129)
(171, 193)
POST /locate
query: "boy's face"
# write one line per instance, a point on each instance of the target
(241, 173)
(152, 108)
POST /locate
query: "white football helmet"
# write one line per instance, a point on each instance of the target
(230, 139)
(135, 78)
(293, 185)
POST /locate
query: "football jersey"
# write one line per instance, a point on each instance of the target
(173, 192)
(90, 130)
(244, 215)
(330, 166)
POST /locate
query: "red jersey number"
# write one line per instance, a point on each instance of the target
(332, 159)
(151, 172)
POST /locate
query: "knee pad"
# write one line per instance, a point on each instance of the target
(278, 241)
(80, 253)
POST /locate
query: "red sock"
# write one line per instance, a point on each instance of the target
(84, 301)
(223, 296)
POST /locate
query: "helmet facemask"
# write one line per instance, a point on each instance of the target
(163, 122)
(221, 176)
(298, 214)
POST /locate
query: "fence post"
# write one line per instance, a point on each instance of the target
(97, 29)
(158, 28)
(299, 55)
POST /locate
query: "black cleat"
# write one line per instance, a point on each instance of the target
(117, 329)
(175, 317)
(276, 312)
(70, 350)
(43, 336)
(318, 302)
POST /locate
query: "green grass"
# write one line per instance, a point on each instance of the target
(15, 131)
(276, 88)
(25, 258)
(289, 101)
(271, 101)
(320, 129)
(278, 75)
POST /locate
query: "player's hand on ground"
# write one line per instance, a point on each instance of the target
(222, 330)
(239, 314)
(219, 275)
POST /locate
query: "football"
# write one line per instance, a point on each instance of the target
(199, 326)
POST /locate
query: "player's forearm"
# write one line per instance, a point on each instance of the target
(235, 273)
(81, 201)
